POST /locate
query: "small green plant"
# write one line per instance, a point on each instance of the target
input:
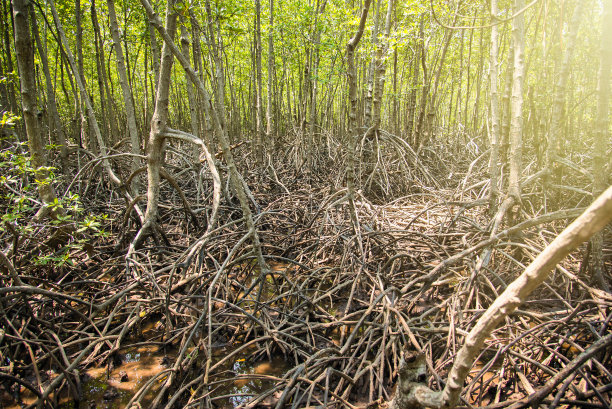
(19, 203)
(8, 120)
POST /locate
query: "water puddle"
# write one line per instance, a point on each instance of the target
(234, 384)
(241, 381)
(251, 379)
(115, 389)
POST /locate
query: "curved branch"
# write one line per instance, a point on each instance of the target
(498, 21)
(592, 220)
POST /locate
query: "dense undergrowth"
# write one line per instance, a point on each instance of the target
(342, 307)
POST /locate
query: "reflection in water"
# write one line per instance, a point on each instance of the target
(104, 390)
(142, 363)
(244, 388)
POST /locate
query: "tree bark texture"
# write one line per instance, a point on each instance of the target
(557, 122)
(85, 97)
(126, 92)
(51, 102)
(494, 109)
(159, 123)
(25, 63)
(516, 121)
(381, 66)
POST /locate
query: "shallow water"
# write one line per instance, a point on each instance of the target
(244, 388)
(141, 364)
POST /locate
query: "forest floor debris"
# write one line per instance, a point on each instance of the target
(338, 319)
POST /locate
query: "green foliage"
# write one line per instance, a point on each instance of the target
(19, 202)
(8, 119)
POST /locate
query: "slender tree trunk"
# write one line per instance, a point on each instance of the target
(601, 175)
(506, 114)
(557, 120)
(314, 78)
(51, 102)
(412, 99)
(106, 101)
(155, 56)
(457, 110)
(395, 99)
(85, 97)
(353, 134)
(25, 62)
(468, 74)
(130, 113)
(494, 110)
(479, 79)
(10, 86)
(430, 104)
(368, 101)
(381, 66)
(191, 98)
(516, 122)
(271, 76)
(260, 149)
(4, 85)
(203, 115)
(159, 124)
(419, 131)
(79, 72)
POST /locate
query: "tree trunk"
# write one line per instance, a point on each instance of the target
(85, 97)
(10, 83)
(558, 120)
(51, 102)
(78, 72)
(468, 78)
(479, 78)
(25, 63)
(516, 122)
(353, 131)
(412, 99)
(431, 106)
(506, 114)
(159, 124)
(494, 109)
(203, 114)
(419, 132)
(271, 76)
(395, 100)
(371, 72)
(155, 56)
(191, 98)
(314, 80)
(380, 66)
(127, 94)
(260, 149)
(106, 101)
